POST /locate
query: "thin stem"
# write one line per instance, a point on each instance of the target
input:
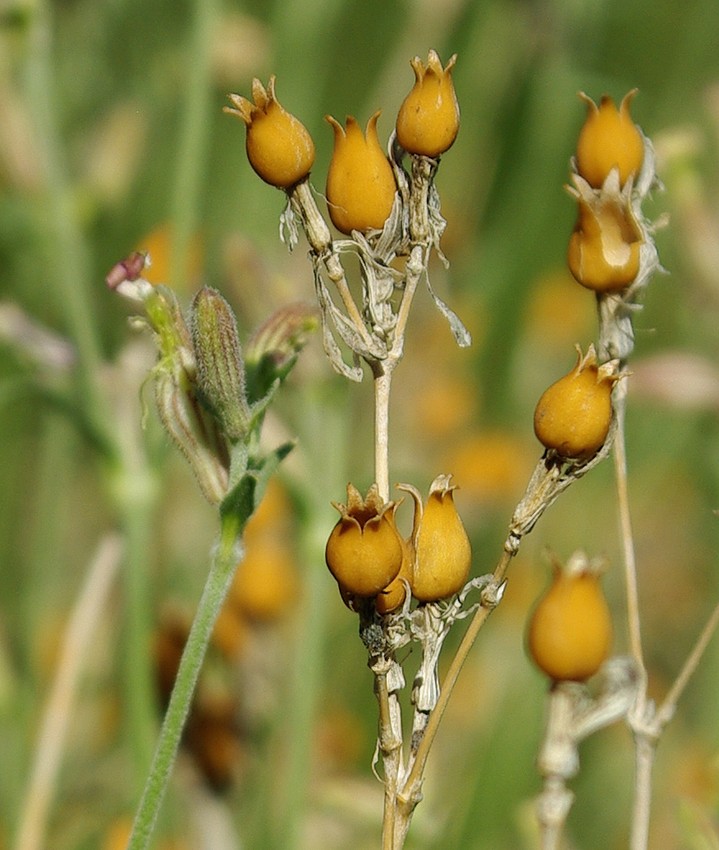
(666, 710)
(413, 781)
(220, 577)
(414, 269)
(59, 709)
(382, 386)
(323, 251)
(390, 761)
(647, 731)
(625, 523)
(645, 749)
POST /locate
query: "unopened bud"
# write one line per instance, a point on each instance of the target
(272, 349)
(220, 370)
(193, 430)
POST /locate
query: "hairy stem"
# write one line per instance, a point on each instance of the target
(220, 577)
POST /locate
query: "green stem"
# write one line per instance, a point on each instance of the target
(194, 134)
(222, 570)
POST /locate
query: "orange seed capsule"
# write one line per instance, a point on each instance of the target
(574, 415)
(443, 554)
(569, 634)
(364, 550)
(609, 139)
(279, 147)
(360, 183)
(428, 120)
(603, 252)
(391, 597)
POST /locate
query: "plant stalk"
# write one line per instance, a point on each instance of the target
(222, 571)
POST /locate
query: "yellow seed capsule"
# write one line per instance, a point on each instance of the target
(428, 120)
(394, 595)
(603, 252)
(364, 550)
(360, 183)
(569, 635)
(279, 147)
(574, 415)
(609, 139)
(443, 554)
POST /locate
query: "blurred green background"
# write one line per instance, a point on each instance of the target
(112, 137)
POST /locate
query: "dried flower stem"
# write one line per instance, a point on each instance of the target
(382, 387)
(625, 523)
(648, 727)
(59, 709)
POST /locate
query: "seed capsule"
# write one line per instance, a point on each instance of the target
(574, 415)
(609, 139)
(603, 252)
(391, 597)
(570, 631)
(428, 120)
(279, 147)
(443, 554)
(360, 183)
(364, 550)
